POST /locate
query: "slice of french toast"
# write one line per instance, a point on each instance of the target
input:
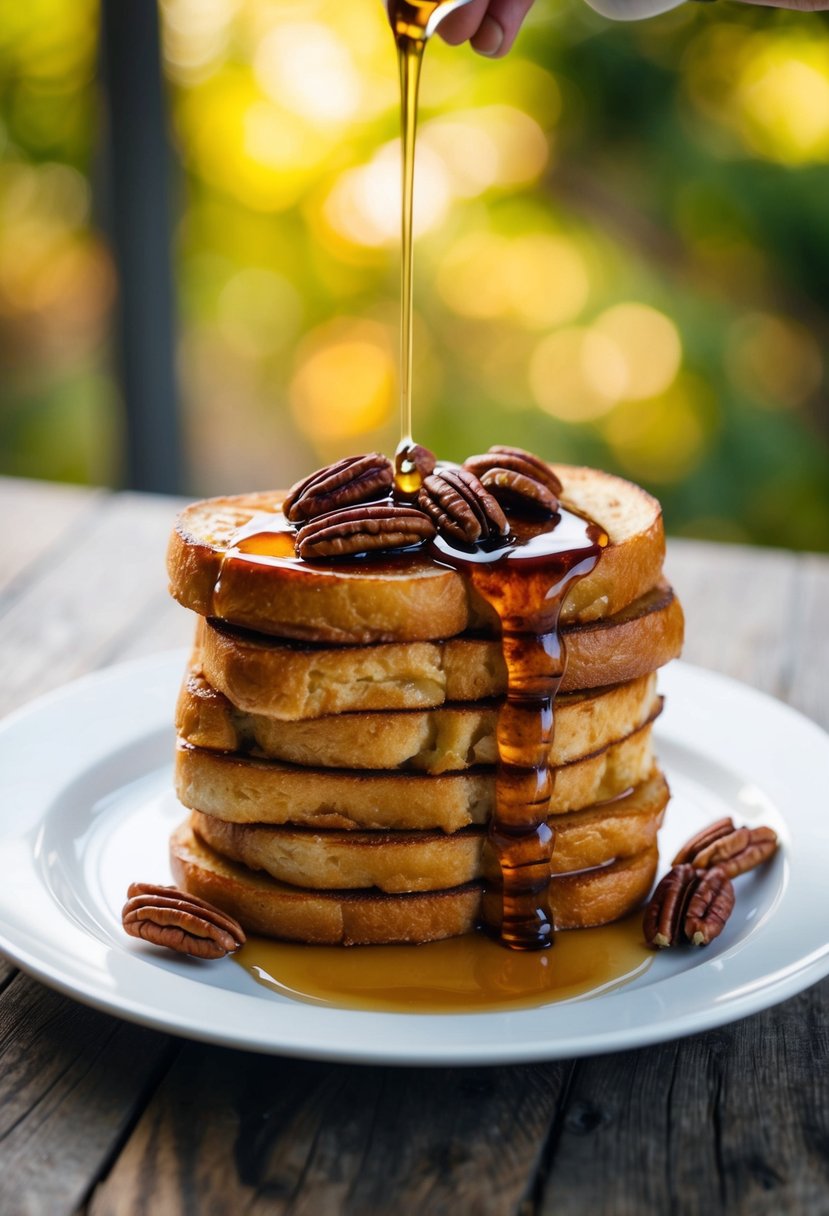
(264, 905)
(440, 740)
(240, 789)
(294, 680)
(410, 597)
(400, 862)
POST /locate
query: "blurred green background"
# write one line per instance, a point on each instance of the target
(623, 253)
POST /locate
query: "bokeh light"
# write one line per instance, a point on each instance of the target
(364, 205)
(622, 256)
(774, 361)
(305, 68)
(578, 374)
(538, 279)
(663, 440)
(782, 97)
(343, 385)
(649, 345)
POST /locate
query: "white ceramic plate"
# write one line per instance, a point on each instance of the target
(86, 808)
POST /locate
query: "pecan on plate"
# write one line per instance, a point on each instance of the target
(734, 850)
(664, 916)
(168, 917)
(352, 480)
(460, 508)
(709, 906)
(363, 529)
(714, 831)
(518, 479)
(688, 906)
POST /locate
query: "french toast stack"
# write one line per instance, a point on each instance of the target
(337, 726)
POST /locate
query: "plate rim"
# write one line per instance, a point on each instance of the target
(780, 984)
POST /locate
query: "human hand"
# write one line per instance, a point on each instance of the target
(490, 26)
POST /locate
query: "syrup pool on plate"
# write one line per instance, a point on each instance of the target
(460, 975)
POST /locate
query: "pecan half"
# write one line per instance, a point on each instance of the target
(460, 507)
(168, 917)
(709, 906)
(518, 479)
(360, 529)
(734, 850)
(352, 480)
(664, 916)
(740, 852)
(702, 840)
(541, 470)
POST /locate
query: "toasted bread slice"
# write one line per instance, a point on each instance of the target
(428, 740)
(263, 905)
(292, 681)
(400, 862)
(244, 790)
(408, 597)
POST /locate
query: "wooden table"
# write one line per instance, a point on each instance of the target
(99, 1116)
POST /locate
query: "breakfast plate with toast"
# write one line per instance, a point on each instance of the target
(364, 779)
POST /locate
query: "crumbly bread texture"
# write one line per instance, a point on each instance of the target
(429, 740)
(400, 862)
(409, 598)
(241, 789)
(292, 681)
(263, 905)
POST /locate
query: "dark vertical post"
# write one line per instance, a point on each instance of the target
(139, 161)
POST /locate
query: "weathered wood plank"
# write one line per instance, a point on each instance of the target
(227, 1133)
(806, 678)
(37, 517)
(87, 603)
(71, 1082)
(7, 972)
(164, 625)
(734, 1121)
(737, 604)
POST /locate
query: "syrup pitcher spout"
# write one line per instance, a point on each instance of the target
(419, 18)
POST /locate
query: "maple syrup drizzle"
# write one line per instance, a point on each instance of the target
(526, 579)
(459, 975)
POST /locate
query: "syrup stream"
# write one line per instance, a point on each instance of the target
(410, 60)
(413, 22)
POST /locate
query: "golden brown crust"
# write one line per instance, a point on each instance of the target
(293, 681)
(400, 862)
(405, 601)
(240, 789)
(263, 905)
(443, 740)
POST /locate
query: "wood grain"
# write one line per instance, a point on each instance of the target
(71, 1082)
(37, 517)
(737, 602)
(733, 1121)
(806, 673)
(90, 598)
(317, 1139)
